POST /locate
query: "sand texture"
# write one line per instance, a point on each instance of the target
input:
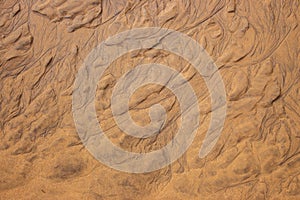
(255, 46)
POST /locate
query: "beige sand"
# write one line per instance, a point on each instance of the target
(255, 45)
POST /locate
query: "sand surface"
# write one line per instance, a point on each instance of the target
(255, 46)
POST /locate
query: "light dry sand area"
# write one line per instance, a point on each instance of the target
(255, 46)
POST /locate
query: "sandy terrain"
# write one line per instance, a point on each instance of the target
(255, 46)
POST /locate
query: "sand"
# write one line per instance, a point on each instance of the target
(255, 46)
